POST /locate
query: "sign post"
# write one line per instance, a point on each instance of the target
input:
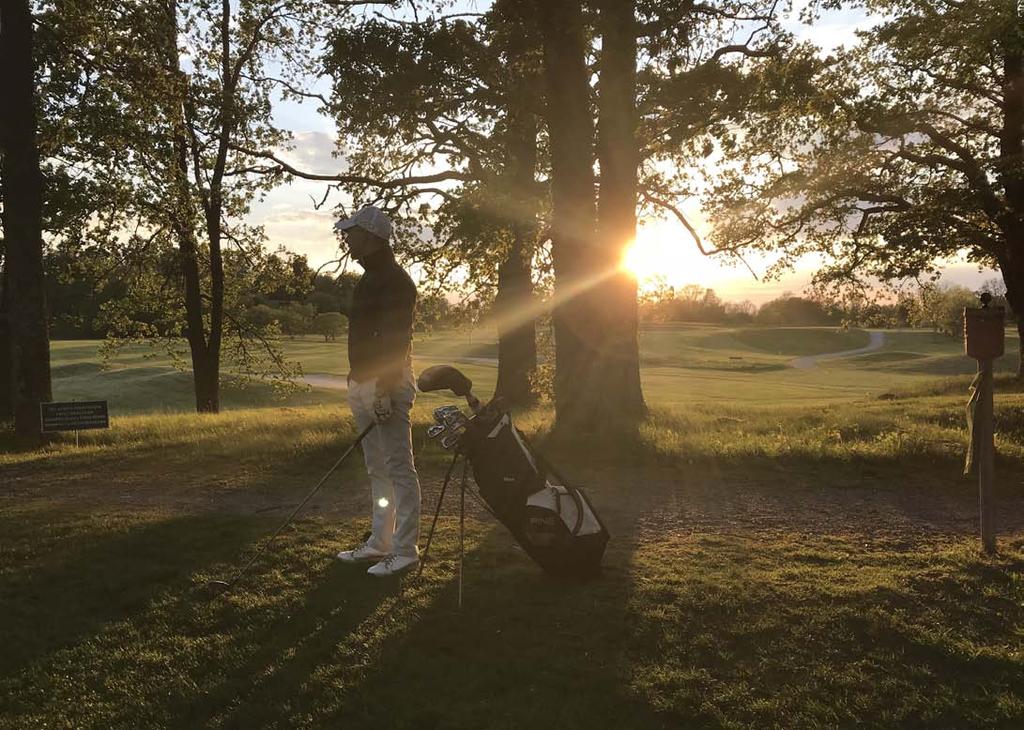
(984, 340)
(73, 416)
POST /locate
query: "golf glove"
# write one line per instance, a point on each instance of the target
(382, 407)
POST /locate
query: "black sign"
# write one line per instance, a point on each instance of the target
(74, 416)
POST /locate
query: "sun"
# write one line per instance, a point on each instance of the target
(635, 260)
(662, 254)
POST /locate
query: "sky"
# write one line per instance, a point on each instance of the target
(663, 251)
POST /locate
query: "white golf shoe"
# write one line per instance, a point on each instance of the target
(393, 565)
(363, 554)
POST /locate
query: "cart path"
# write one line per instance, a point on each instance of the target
(326, 380)
(663, 503)
(810, 361)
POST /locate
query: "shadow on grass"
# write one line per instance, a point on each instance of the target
(96, 569)
(737, 591)
(281, 675)
(735, 633)
(690, 625)
(525, 651)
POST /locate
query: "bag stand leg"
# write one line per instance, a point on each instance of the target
(462, 519)
(437, 512)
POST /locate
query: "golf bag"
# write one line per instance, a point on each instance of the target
(552, 520)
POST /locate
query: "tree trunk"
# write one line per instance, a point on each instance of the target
(1014, 282)
(1020, 348)
(206, 378)
(517, 323)
(618, 156)
(23, 222)
(1012, 269)
(181, 212)
(209, 379)
(571, 133)
(514, 303)
(597, 383)
(1011, 155)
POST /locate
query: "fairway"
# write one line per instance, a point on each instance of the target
(680, 365)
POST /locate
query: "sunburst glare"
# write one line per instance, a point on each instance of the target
(662, 254)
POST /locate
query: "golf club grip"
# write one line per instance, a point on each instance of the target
(323, 480)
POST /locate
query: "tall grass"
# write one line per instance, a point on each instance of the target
(906, 426)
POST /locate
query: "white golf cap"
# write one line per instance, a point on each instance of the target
(369, 219)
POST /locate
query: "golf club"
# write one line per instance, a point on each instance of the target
(226, 585)
(443, 413)
(448, 442)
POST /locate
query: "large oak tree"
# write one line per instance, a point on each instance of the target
(597, 365)
(893, 155)
(457, 95)
(163, 97)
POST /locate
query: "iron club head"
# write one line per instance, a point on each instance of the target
(441, 412)
(455, 420)
(450, 441)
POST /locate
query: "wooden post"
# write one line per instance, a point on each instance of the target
(984, 340)
(985, 430)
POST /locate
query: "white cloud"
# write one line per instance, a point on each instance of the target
(832, 29)
(290, 218)
(303, 233)
(314, 152)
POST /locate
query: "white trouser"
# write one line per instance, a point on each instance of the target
(387, 449)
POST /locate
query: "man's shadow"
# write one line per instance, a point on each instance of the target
(553, 651)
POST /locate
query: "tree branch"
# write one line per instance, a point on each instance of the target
(359, 179)
(289, 88)
(662, 203)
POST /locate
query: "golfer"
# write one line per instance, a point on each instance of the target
(381, 388)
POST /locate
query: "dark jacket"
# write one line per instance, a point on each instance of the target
(380, 322)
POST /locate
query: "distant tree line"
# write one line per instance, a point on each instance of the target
(930, 306)
(694, 303)
(934, 307)
(86, 303)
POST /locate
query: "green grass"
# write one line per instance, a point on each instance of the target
(789, 549)
(769, 566)
(680, 365)
(802, 340)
